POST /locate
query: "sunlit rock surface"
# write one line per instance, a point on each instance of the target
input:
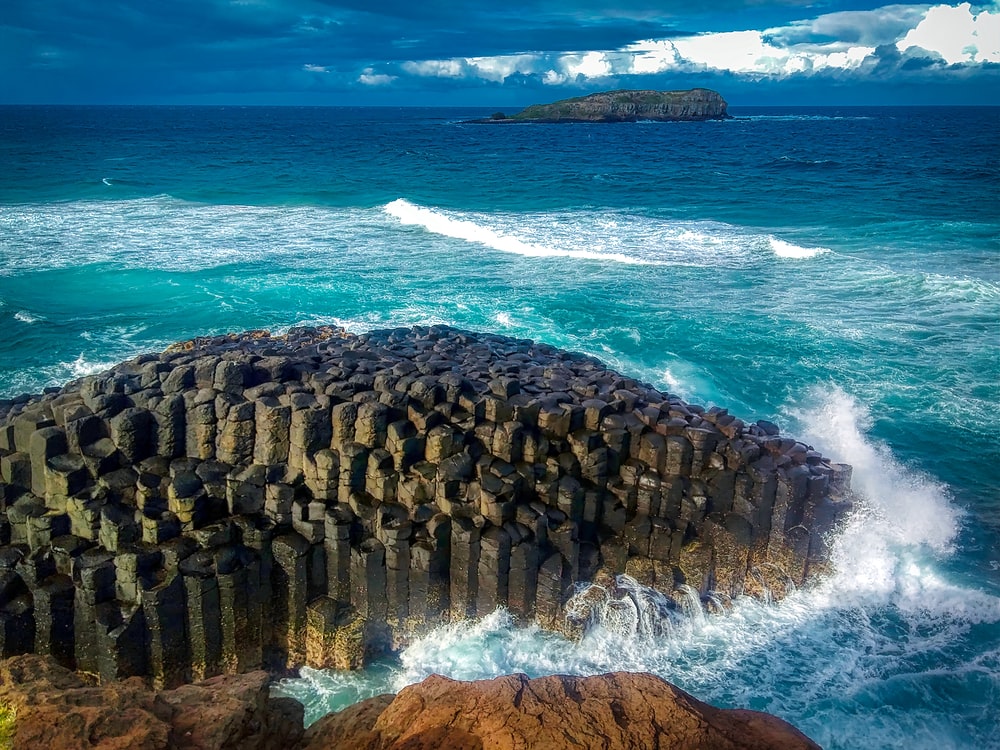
(612, 711)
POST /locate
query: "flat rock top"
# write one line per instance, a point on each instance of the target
(477, 362)
(613, 711)
(331, 359)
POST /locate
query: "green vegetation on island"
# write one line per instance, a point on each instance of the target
(626, 106)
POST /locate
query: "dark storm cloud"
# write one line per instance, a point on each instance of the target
(343, 51)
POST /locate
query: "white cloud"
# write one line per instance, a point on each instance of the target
(956, 34)
(736, 51)
(858, 27)
(743, 52)
(499, 67)
(833, 42)
(315, 68)
(653, 56)
(370, 78)
(493, 68)
(435, 68)
(589, 65)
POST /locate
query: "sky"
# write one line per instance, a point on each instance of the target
(506, 53)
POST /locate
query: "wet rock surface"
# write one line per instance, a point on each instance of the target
(613, 711)
(250, 501)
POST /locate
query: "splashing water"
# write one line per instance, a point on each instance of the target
(863, 658)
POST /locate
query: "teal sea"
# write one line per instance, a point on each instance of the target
(836, 271)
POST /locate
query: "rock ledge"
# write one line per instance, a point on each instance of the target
(612, 711)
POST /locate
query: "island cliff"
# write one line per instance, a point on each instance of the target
(251, 501)
(628, 106)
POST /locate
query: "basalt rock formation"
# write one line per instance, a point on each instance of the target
(628, 106)
(254, 500)
(613, 711)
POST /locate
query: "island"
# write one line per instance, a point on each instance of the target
(625, 105)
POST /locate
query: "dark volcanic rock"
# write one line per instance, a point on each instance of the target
(60, 710)
(627, 106)
(249, 501)
(613, 712)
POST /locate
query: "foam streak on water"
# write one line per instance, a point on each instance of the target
(621, 239)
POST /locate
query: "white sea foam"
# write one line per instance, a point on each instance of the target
(785, 249)
(169, 234)
(909, 508)
(673, 382)
(622, 238)
(819, 655)
(57, 374)
(441, 223)
(26, 317)
(804, 118)
(164, 233)
(82, 366)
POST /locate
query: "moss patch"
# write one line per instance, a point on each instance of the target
(8, 714)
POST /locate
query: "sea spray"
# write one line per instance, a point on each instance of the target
(287, 223)
(834, 646)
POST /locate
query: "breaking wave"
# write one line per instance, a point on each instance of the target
(820, 657)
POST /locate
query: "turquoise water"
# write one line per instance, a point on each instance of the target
(835, 271)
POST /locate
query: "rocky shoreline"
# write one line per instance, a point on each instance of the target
(254, 501)
(625, 105)
(57, 709)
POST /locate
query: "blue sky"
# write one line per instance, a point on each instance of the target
(502, 54)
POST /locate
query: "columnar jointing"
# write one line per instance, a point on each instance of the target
(252, 500)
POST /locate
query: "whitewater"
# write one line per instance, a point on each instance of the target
(834, 271)
(856, 644)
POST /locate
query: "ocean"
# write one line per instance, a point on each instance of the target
(833, 270)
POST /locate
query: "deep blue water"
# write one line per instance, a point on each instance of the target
(834, 270)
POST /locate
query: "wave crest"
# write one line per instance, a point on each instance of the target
(785, 249)
(441, 223)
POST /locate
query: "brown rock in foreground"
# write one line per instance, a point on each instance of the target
(611, 711)
(61, 710)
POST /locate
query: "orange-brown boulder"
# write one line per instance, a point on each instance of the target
(58, 709)
(611, 711)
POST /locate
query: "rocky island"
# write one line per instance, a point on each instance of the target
(625, 106)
